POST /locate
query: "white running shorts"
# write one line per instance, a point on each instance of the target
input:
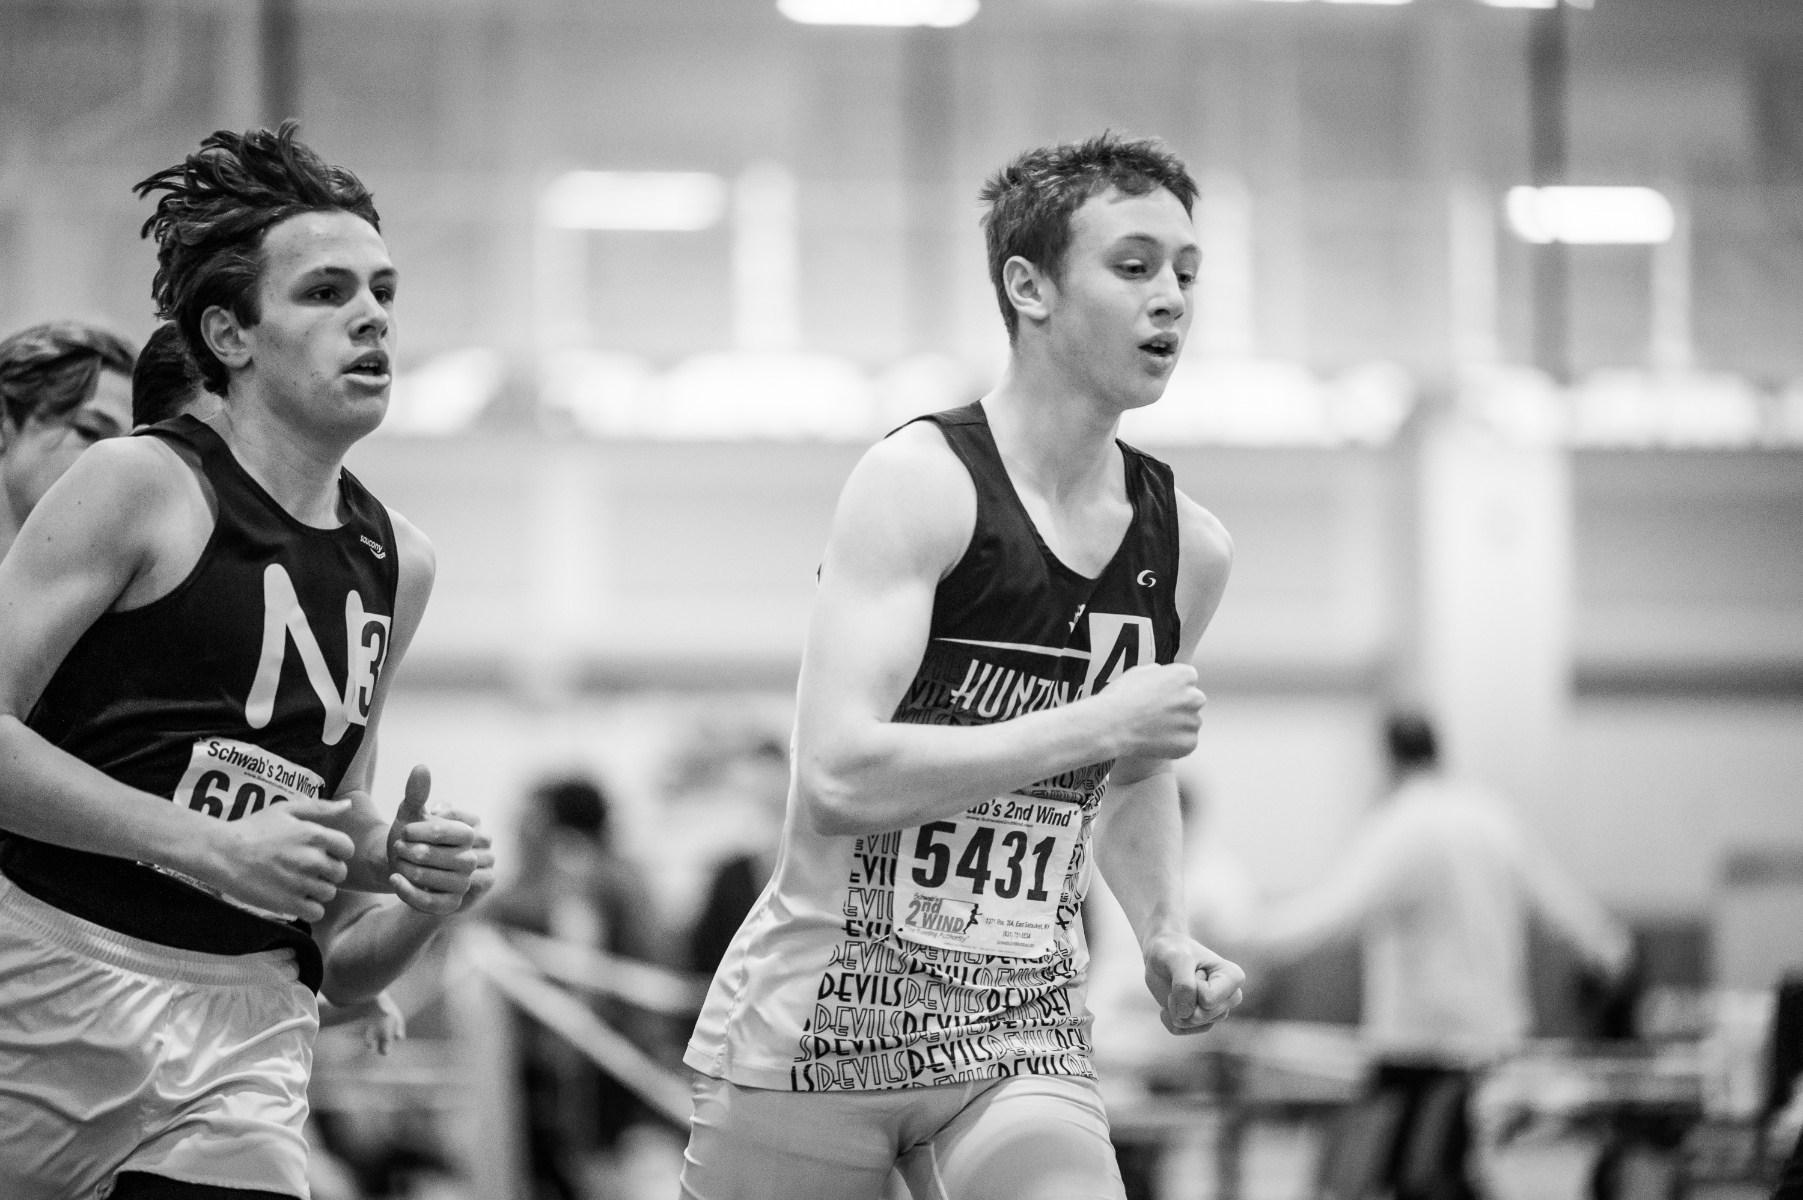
(117, 1054)
(1027, 1137)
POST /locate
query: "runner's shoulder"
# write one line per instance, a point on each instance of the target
(1203, 542)
(134, 478)
(417, 557)
(910, 493)
(917, 456)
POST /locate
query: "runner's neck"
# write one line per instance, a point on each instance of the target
(295, 466)
(1057, 441)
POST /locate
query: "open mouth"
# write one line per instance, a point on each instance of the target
(371, 366)
(1164, 346)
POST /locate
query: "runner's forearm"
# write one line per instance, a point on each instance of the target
(1139, 847)
(872, 777)
(51, 796)
(374, 950)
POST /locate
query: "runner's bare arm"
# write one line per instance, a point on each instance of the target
(903, 522)
(1139, 831)
(427, 860)
(101, 529)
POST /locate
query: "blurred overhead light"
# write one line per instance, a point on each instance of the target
(940, 13)
(1590, 215)
(668, 200)
(1539, 3)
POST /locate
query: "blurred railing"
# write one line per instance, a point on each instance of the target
(491, 975)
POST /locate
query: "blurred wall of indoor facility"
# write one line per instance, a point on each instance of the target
(669, 265)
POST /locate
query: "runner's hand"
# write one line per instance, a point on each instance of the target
(482, 879)
(1194, 986)
(431, 857)
(1160, 710)
(283, 858)
(387, 1026)
(383, 1023)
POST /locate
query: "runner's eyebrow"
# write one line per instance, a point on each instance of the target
(1152, 242)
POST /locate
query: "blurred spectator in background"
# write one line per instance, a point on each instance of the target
(1790, 1187)
(63, 386)
(166, 383)
(573, 886)
(758, 776)
(1437, 886)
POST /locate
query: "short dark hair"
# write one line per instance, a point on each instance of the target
(54, 368)
(1409, 736)
(217, 206)
(1029, 202)
(165, 378)
(576, 803)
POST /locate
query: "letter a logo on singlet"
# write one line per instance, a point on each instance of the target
(1116, 644)
(366, 645)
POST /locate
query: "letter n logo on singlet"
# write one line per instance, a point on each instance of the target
(1116, 644)
(366, 645)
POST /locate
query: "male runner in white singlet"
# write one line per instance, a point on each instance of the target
(995, 683)
(198, 627)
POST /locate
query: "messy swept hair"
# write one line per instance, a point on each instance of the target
(53, 369)
(165, 378)
(217, 206)
(1029, 202)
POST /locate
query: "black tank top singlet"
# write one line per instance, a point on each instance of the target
(248, 685)
(1014, 629)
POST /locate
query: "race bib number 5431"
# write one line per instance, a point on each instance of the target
(989, 881)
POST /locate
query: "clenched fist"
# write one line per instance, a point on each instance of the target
(1159, 710)
(282, 859)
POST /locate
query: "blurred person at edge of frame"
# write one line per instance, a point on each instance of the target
(755, 774)
(1437, 886)
(574, 886)
(64, 385)
(1790, 1186)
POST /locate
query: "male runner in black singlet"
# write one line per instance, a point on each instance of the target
(208, 614)
(995, 683)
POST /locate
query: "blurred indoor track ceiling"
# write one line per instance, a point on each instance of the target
(935, 13)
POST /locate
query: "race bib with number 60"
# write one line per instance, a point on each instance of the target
(231, 780)
(990, 880)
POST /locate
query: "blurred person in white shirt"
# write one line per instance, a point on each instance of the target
(1437, 889)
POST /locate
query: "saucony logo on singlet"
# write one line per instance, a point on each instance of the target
(366, 645)
(375, 547)
(1146, 578)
